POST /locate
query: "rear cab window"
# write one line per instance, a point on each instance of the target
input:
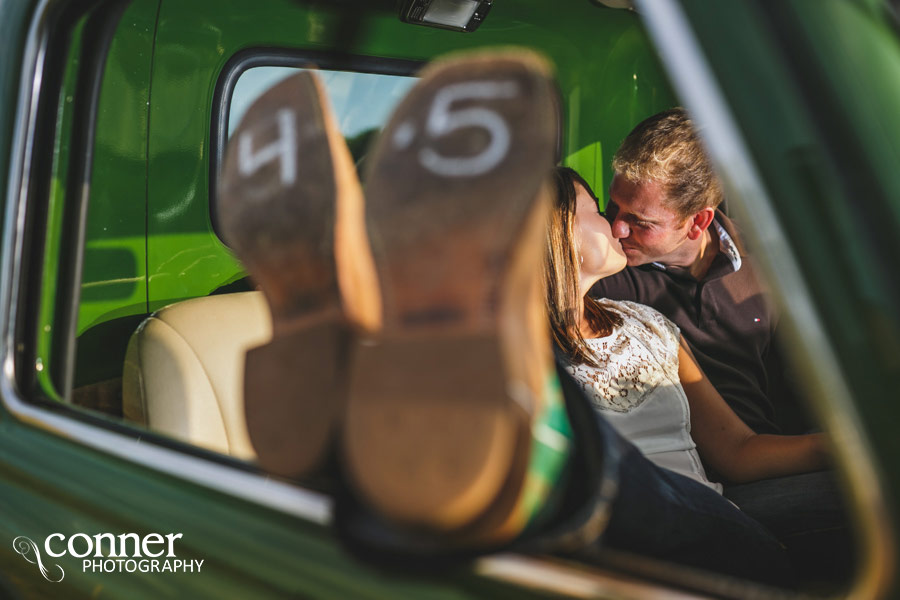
(361, 101)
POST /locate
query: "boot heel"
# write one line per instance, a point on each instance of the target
(429, 433)
(296, 386)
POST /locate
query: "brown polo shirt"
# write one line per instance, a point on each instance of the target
(727, 320)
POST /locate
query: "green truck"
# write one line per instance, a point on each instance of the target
(114, 117)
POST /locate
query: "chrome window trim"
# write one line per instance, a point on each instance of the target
(550, 574)
(696, 86)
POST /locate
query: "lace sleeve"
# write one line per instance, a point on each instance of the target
(658, 325)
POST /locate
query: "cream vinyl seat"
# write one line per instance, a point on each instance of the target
(184, 370)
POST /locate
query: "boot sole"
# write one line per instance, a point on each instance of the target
(291, 208)
(436, 419)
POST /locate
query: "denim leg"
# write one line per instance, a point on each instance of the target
(808, 514)
(664, 515)
(794, 505)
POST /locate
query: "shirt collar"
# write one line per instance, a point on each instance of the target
(726, 246)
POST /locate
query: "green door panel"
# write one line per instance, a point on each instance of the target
(113, 296)
(114, 278)
(247, 551)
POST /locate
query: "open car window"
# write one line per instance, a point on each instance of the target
(141, 244)
(362, 102)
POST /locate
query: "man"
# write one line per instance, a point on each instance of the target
(687, 260)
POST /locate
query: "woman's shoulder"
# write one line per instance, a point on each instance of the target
(647, 317)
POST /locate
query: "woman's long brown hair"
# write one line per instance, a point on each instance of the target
(561, 275)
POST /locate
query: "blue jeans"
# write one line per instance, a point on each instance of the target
(808, 515)
(660, 514)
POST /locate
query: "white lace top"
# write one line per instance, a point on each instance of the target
(638, 390)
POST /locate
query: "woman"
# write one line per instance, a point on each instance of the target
(638, 372)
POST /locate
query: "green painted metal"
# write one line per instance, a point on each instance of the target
(13, 33)
(150, 242)
(52, 485)
(598, 53)
(114, 279)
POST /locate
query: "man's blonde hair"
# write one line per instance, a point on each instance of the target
(665, 148)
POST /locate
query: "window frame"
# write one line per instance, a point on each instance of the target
(180, 461)
(695, 81)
